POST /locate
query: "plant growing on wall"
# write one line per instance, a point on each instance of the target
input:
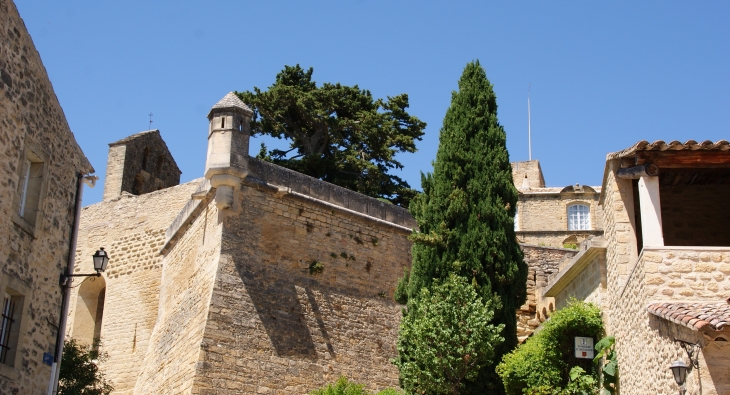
(339, 134)
(445, 338)
(80, 373)
(466, 215)
(315, 267)
(545, 363)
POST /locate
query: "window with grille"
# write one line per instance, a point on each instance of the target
(8, 330)
(579, 217)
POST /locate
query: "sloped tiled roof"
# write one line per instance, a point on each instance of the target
(231, 101)
(659, 145)
(694, 315)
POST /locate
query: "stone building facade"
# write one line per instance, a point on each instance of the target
(40, 169)
(554, 216)
(662, 271)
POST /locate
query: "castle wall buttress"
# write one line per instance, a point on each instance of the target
(173, 354)
(304, 294)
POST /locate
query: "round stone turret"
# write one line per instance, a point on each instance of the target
(228, 135)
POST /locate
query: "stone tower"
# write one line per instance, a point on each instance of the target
(139, 164)
(228, 135)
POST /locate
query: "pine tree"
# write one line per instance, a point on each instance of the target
(466, 215)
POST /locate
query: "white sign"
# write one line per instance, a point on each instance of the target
(584, 347)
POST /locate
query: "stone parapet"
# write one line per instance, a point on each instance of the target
(292, 181)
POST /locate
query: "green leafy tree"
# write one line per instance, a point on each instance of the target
(80, 373)
(466, 215)
(445, 338)
(339, 134)
(346, 387)
(545, 363)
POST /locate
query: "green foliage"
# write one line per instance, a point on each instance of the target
(466, 214)
(571, 246)
(315, 267)
(401, 290)
(340, 134)
(345, 387)
(445, 338)
(609, 372)
(545, 362)
(80, 373)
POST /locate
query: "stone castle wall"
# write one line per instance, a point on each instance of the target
(33, 251)
(276, 324)
(132, 229)
(174, 354)
(542, 262)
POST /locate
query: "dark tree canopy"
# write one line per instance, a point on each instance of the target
(466, 214)
(339, 134)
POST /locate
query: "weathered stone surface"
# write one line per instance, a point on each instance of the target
(32, 253)
(132, 229)
(139, 164)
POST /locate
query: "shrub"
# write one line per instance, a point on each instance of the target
(346, 387)
(446, 338)
(545, 364)
(80, 373)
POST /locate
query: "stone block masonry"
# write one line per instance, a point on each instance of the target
(542, 262)
(132, 228)
(140, 164)
(173, 355)
(302, 296)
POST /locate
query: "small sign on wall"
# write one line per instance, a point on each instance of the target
(584, 347)
(48, 358)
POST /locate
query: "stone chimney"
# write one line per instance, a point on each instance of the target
(228, 136)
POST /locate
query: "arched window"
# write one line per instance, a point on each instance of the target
(579, 217)
(89, 310)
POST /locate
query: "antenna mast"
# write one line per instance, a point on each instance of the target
(150, 127)
(529, 129)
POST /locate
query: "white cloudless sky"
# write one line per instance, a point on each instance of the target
(603, 75)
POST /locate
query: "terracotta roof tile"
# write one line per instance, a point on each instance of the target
(694, 315)
(659, 145)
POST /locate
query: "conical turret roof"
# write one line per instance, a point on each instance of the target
(230, 102)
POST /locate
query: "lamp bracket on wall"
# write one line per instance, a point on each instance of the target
(65, 277)
(693, 352)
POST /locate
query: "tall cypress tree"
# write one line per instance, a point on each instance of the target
(466, 215)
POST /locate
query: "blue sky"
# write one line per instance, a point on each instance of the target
(603, 75)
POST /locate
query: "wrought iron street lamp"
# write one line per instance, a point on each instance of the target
(101, 259)
(680, 370)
